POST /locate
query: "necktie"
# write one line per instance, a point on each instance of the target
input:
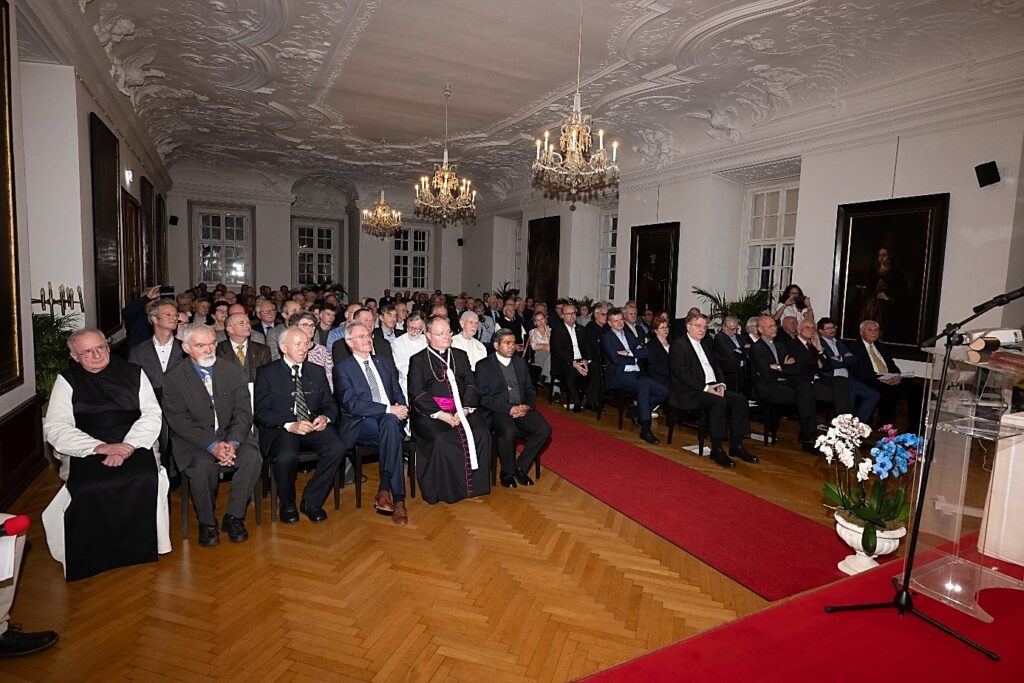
(241, 354)
(208, 383)
(876, 360)
(301, 409)
(372, 381)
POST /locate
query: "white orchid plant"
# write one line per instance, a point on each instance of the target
(870, 492)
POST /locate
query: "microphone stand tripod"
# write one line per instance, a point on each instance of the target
(903, 601)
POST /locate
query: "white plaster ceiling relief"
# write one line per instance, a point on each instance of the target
(721, 123)
(657, 147)
(1013, 9)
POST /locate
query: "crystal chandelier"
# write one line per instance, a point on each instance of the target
(444, 198)
(383, 221)
(575, 173)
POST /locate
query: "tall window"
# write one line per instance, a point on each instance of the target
(770, 238)
(607, 256)
(223, 241)
(316, 251)
(410, 258)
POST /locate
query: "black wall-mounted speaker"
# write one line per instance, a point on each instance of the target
(173, 220)
(988, 173)
(461, 242)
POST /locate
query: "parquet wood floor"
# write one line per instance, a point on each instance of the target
(540, 584)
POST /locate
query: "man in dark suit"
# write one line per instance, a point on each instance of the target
(373, 412)
(877, 369)
(340, 349)
(814, 364)
(162, 352)
(776, 379)
(507, 394)
(510, 320)
(623, 352)
(593, 332)
(294, 407)
(569, 360)
(386, 333)
(728, 350)
(206, 404)
(697, 383)
(239, 349)
(863, 398)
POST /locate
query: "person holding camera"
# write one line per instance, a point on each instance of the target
(794, 303)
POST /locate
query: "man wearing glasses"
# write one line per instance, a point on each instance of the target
(103, 421)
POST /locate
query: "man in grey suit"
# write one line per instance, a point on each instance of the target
(207, 406)
(240, 348)
(163, 352)
(288, 308)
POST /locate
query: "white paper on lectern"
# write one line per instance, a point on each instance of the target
(7, 557)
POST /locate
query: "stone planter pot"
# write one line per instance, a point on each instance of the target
(887, 543)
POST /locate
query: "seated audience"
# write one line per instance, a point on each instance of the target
(792, 302)
(385, 334)
(162, 352)
(656, 366)
(208, 408)
(540, 342)
(583, 317)
(815, 364)
(201, 311)
(407, 346)
(293, 408)
(509, 400)
(219, 311)
(135, 319)
(510, 320)
(729, 350)
(454, 444)
(239, 309)
(103, 421)
(789, 329)
(647, 322)
(623, 351)
(288, 309)
(240, 349)
(697, 383)
(632, 320)
(373, 412)
(466, 339)
(402, 313)
(777, 379)
(13, 641)
(594, 331)
(863, 398)
(485, 328)
(876, 368)
(318, 353)
(325, 322)
(340, 350)
(751, 330)
(266, 314)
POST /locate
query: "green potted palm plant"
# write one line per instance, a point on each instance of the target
(50, 341)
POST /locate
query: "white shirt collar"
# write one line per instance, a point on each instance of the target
(501, 359)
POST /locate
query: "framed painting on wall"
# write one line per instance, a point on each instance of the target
(105, 173)
(888, 268)
(11, 368)
(653, 257)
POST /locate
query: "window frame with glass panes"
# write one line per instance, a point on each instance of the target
(222, 235)
(607, 257)
(316, 256)
(410, 258)
(768, 251)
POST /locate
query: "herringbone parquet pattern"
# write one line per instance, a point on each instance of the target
(541, 584)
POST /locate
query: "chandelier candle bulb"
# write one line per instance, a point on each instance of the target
(600, 139)
(615, 148)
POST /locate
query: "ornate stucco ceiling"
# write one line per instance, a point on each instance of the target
(310, 87)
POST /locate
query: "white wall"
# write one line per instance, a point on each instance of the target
(977, 263)
(478, 256)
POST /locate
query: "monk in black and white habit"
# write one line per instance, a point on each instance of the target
(103, 421)
(454, 444)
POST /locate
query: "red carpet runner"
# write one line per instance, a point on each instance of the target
(770, 550)
(797, 641)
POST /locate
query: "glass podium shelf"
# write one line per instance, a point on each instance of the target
(981, 428)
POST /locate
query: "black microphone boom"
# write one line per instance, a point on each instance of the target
(1000, 300)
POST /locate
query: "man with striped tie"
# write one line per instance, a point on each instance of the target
(293, 408)
(373, 412)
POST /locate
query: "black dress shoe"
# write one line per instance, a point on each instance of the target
(16, 643)
(648, 436)
(743, 454)
(208, 536)
(577, 409)
(289, 515)
(315, 515)
(522, 477)
(808, 447)
(507, 480)
(719, 457)
(235, 529)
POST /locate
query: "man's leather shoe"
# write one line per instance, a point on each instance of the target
(384, 502)
(315, 515)
(648, 436)
(401, 516)
(577, 409)
(208, 536)
(235, 529)
(507, 480)
(719, 457)
(743, 454)
(16, 643)
(522, 477)
(289, 515)
(808, 447)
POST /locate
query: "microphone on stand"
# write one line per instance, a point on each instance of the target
(1000, 300)
(14, 525)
